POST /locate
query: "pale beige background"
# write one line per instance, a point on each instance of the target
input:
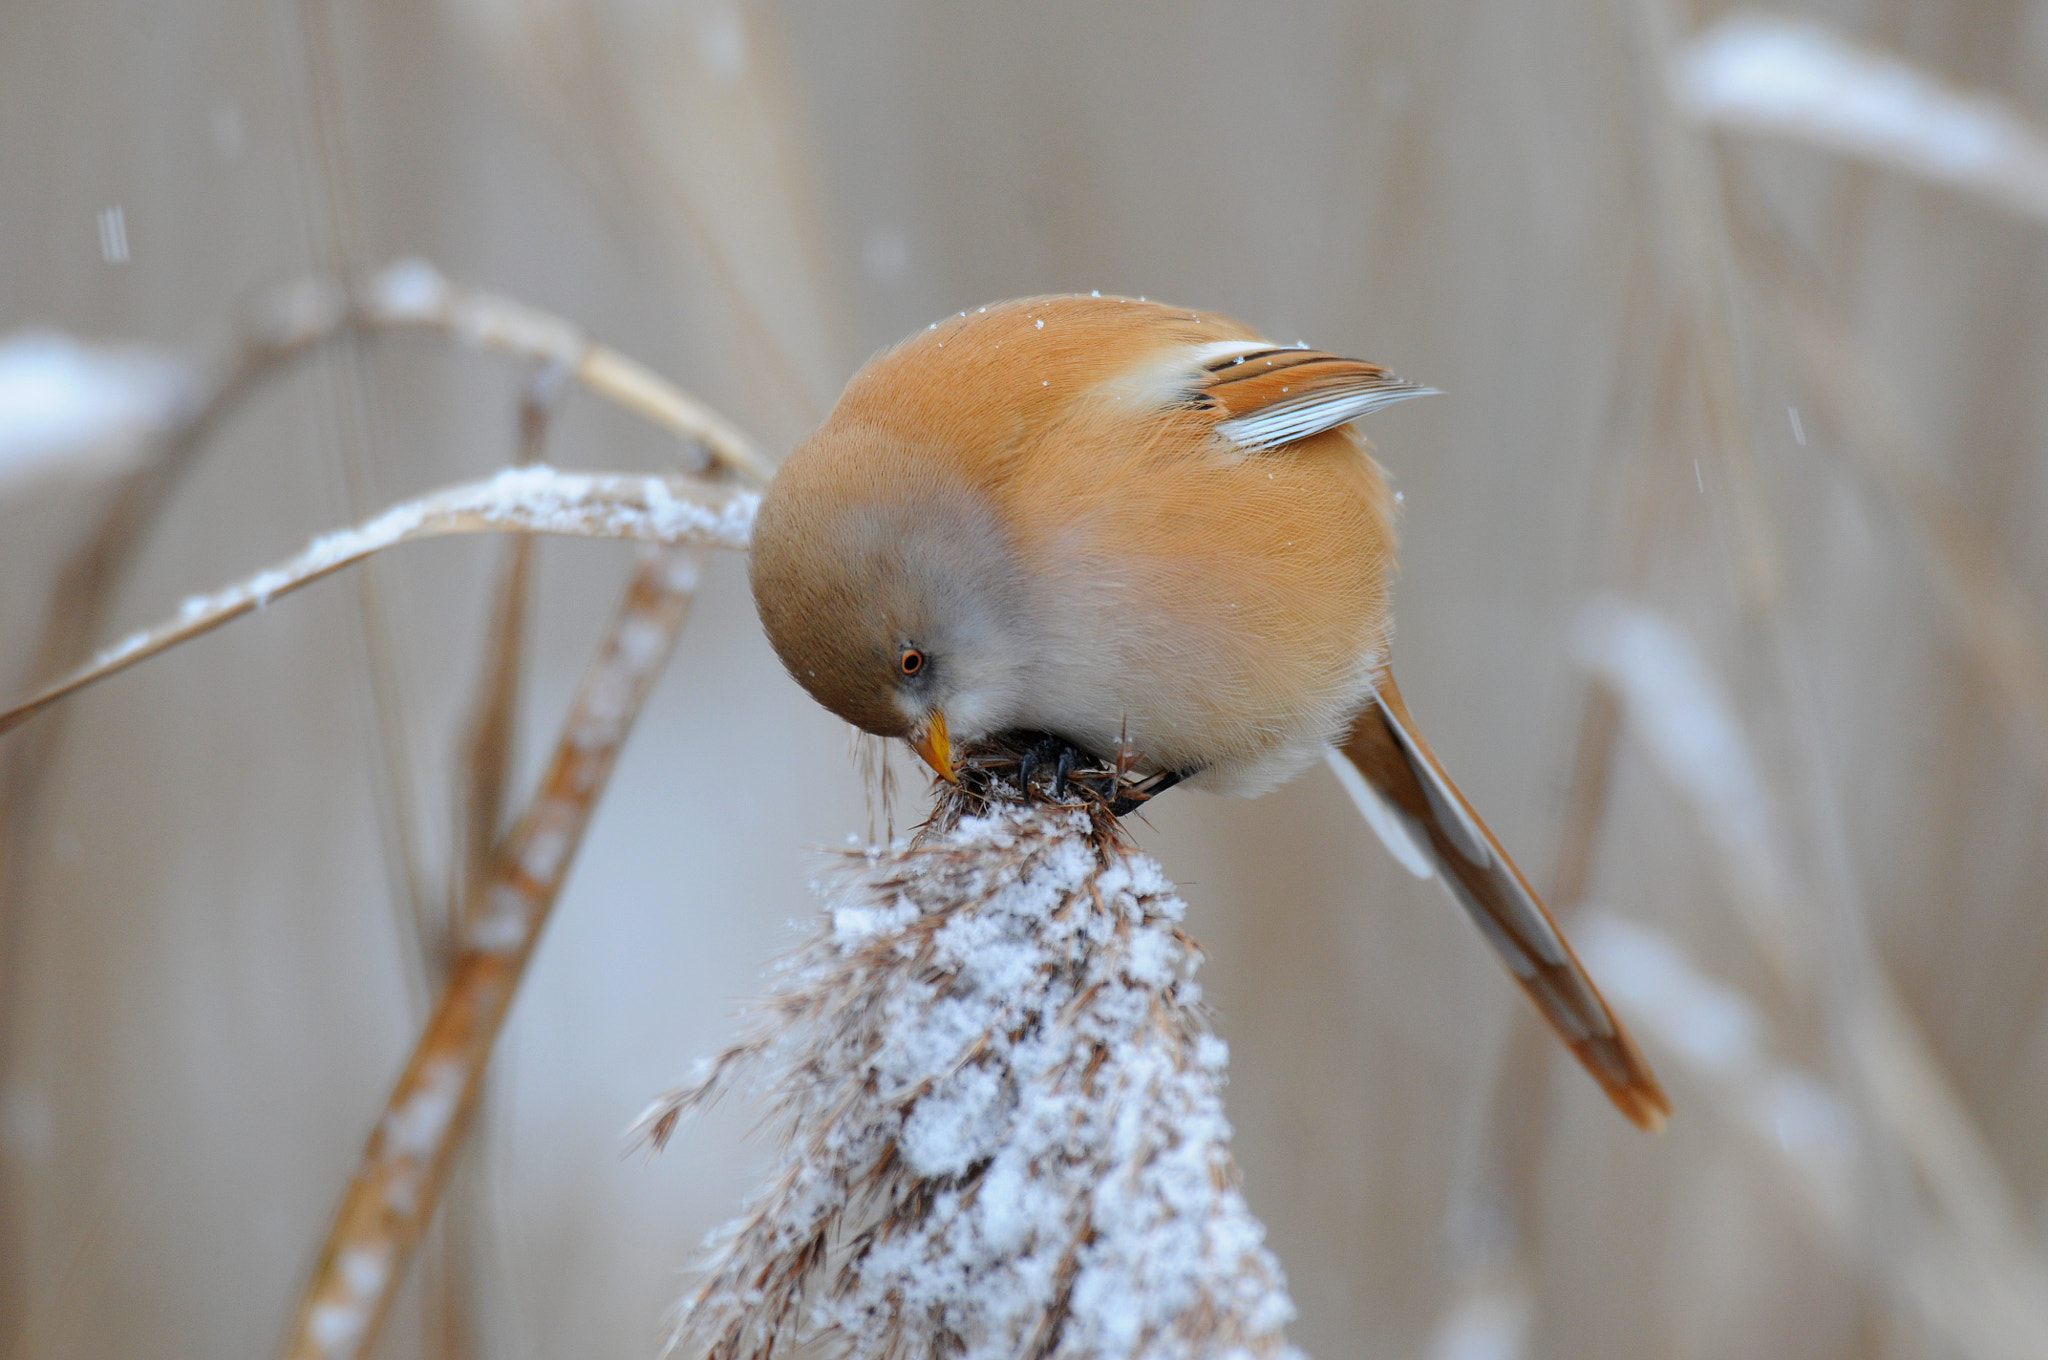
(210, 978)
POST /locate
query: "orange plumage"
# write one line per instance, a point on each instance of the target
(1109, 519)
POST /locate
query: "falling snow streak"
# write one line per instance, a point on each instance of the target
(113, 227)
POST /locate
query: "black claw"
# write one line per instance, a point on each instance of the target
(1043, 751)
(1136, 796)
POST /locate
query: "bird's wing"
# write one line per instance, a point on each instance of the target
(1414, 791)
(1264, 396)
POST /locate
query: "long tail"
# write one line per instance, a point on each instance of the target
(1431, 829)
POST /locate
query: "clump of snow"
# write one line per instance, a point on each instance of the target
(72, 409)
(1002, 1131)
(407, 290)
(543, 499)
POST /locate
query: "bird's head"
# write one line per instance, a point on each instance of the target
(890, 592)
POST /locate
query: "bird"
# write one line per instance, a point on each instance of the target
(1139, 528)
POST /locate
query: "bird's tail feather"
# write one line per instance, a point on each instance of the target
(1427, 824)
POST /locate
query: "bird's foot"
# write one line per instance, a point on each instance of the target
(1041, 766)
(1062, 756)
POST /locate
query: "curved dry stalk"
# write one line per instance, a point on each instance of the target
(537, 499)
(292, 320)
(413, 294)
(397, 1182)
(281, 325)
(1971, 1242)
(1993, 613)
(359, 1266)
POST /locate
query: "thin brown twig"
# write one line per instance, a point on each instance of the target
(1992, 612)
(489, 742)
(398, 1180)
(489, 752)
(1696, 239)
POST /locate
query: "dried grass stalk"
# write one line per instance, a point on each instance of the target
(1895, 1094)
(398, 1181)
(1988, 604)
(998, 1111)
(537, 499)
(1965, 1268)
(414, 293)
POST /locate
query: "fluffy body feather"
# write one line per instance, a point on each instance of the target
(1120, 522)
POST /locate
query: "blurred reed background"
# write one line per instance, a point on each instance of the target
(1721, 597)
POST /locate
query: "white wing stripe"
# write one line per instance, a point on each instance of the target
(1284, 422)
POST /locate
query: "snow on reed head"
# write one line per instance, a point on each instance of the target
(1001, 1128)
(73, 409)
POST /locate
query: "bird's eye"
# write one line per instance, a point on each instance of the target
(911, 662)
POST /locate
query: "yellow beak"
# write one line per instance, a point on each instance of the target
(931, 743)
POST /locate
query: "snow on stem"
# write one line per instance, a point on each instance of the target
(1681, 713)
(1000, 1122)
(534, 499)
(1792, 78)
(398, 1180)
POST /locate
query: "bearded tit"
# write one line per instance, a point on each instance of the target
(1139, 528)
